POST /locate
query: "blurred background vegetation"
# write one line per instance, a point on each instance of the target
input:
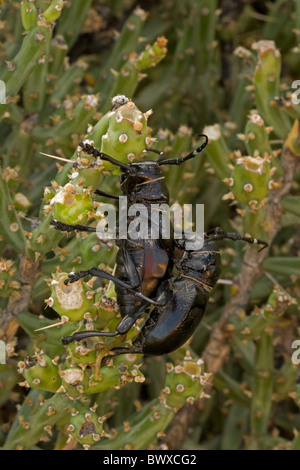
(225, 68)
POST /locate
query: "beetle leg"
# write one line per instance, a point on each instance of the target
(123, 327)
(71, 228)
(105, 194)
(219, 234)
(130, 268)
(179, 161)
(74, 277)
(115, 352)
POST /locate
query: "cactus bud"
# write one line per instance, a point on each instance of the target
(72, 204)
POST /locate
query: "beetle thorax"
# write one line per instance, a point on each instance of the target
(145, 183)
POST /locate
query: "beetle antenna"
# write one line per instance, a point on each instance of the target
(158, 152)
(179, 161)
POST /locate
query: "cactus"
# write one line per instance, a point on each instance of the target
(73, 74)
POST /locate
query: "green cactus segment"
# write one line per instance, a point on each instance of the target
(251, 177)
(291, 204)
(254, 222)
(281, 15)
(295, 445)
(40, 372)
(72, 205)
(73, 301)
(85, 425)
(44, 238)
(257, 141)
(67, 83)
(32, 50)
(116, 374)
(72, 19)
(83, 354)
(296, 393)
(35, 87)
(285, 382)
(8, 285)
(106, 303)
(74, 382)
(257, 136)
(29, 15)
(91, 252)
(125, 138)
(261, 402)
(292, 140)
(49, 333)
(184, 383)
(266, 82)
(120, 133)
(126, 135)
(125, 44)
(141, 430)
(10, 225)
(277, 304)
(76, 117)
(251, 327)
(35, 419)
(250, 183)
(283, 266)
(92, 249)
(152, 55)
(88, 173)
(99, 130)
(231, 389)
(127, 80)
(218, 151)
(58, 52)
(235, 427)
(19, 149)
(8, 379)
(54, 11)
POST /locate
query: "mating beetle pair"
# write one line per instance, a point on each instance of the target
(144, 267)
